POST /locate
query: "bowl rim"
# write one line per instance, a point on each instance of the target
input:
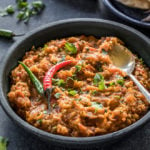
(59, 138)
(118, 13)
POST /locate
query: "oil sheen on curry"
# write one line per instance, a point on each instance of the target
(70, 87)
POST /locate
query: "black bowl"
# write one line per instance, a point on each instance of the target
(131, 15)
(135, 40)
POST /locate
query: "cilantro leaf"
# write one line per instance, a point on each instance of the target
(57, 95)
(101, 85)
(73, 92)
(70, 48)
(78, 68)
(59, 82)
(121, 81)
(97, 78)
(97, 106)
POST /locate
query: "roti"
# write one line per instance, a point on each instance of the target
(141, 4)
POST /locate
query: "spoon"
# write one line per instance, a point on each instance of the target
(122, 58)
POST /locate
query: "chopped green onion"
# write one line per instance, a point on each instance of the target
(70, 48)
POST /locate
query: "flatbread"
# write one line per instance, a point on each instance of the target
(142, 4)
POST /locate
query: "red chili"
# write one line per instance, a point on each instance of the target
(47, 82)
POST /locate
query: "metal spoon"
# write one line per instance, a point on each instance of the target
(122, 58)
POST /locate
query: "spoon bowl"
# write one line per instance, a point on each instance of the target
(122, 58)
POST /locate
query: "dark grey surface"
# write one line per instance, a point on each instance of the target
(56, 10)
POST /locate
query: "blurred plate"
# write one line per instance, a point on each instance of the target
(131, 15)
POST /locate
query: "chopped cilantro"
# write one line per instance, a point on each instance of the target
(57, 95)
(59, 82)
(70, 48)
(111, 83)
(121, 81)
(101, 85)
(10, 9)
(78, 68)
(97, 78)
(73, 92)
(39, 121)
(45, 112)
(94, 92)
(104, 52)
(97, 106)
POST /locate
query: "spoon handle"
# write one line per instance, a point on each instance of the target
(141, 87)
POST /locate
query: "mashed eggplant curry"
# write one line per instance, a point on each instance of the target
(70, 87)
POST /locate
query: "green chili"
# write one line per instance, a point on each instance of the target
(8, 33)
(35, 81)
(3, 143)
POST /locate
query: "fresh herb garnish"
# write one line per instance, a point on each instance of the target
(25, 9)
(45, 111)
(111, 83)
(21, 4)
(72, 92)
(39, 121)
(70, 48)
(37, 5)
(58, 82)
(78, 68)
(97, 106)
(101, 85)
(3, 143)
(8, 10)
(57, 95)
(99, 81)
(104, 52)
(121, 81)
(94, 92)
(97, 78)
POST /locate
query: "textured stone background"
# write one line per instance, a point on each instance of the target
(56, 10)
